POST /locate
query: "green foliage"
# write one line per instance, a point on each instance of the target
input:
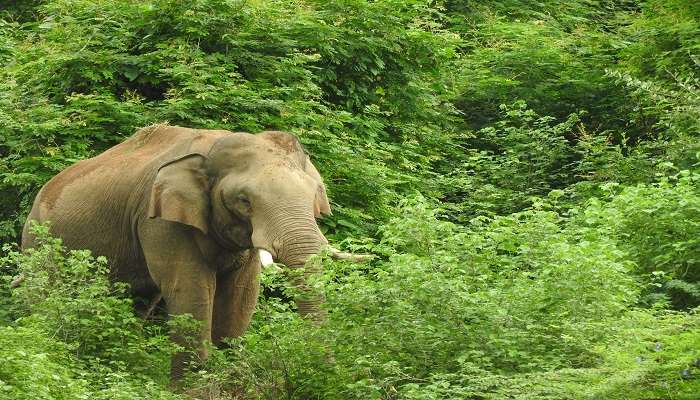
(655, 356)
(507, 272)
(659, 64)
(663, 39)
(76, 330)
(34, 366)
(551, 54)
(506, 164)
(71, 298)
(531, 305)
(657, 225)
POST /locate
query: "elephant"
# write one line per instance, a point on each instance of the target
(185, 214)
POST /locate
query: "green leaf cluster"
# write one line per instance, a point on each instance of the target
(74, 335)
(538, 304)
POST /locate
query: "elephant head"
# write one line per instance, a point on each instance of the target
(249, 191)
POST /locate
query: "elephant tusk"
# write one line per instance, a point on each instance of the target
(357, 258)
(265, 257)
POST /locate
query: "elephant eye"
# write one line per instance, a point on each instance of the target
(243, 200)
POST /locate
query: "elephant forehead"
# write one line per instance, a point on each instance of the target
(257, 156)
(283, 140)
(282, 180)
(205, 141)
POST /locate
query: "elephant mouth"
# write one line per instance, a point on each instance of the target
(223, 241)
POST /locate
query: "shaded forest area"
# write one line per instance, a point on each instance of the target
(526, 172)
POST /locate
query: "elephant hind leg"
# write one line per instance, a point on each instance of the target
(235, 299)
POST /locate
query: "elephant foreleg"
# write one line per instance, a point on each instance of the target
(186, 282)
(235, 299)
(193, 295)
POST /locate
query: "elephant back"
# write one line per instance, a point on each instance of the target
(95, 203)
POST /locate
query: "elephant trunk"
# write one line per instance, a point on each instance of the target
(294, 240)
(310, 299)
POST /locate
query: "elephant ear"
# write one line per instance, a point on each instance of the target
(180, 192)
(321, 204)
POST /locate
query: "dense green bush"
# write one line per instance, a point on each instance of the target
(76, 334)
(654, 356)
(657, 225)
(33, 366)
(551, 54)
(70, 297)
(361, 92)
(532, 305)
(508, 163)
(660, 65)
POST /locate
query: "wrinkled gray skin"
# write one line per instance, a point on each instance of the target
(181, 213)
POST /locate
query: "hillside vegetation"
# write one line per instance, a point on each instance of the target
(527, 173)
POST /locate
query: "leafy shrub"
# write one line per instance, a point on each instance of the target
(507, 164)
(523, 294)
(34, 366)
(66, 303)
(657, 225)
(554, 60)
(70, 297)
(662, 360)
(659, 65)
(663, 38)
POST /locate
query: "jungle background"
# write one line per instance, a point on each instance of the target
(526, 172)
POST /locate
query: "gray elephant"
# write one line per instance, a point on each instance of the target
(185, 214)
